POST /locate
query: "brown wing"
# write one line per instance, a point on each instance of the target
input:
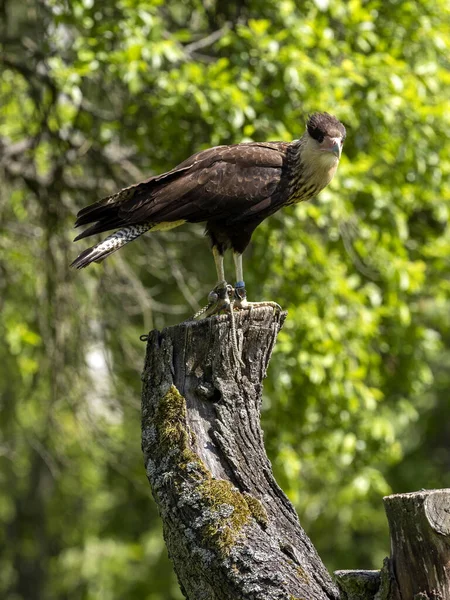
(221, 182)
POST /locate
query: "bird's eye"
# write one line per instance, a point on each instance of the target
(316, 134)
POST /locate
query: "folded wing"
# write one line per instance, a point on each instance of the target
(224, 182)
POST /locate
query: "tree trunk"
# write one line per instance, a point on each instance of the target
(419, 566)
(419, 524)
(230, 530)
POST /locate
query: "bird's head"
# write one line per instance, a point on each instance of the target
(325, 137)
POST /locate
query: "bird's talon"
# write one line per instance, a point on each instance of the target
(213, 297)
(240, 295)
(218, 300)
(249, 305)
(242, 304)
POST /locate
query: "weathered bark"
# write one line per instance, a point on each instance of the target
(230, 530)
(358, 585)
(419, 566)
(419, 525)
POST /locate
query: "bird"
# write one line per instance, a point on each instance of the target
(231, 188)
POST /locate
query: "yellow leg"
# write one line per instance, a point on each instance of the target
(218, 259)
(238, 266)
(240, 293)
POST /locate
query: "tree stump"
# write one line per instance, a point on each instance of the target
(358, 584)
(230, 530)
(419, 566)
(419, 525)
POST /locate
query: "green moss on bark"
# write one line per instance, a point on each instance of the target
(303, 575)
(257, 510)
(224, 510)
(229, 513)
(170, 421)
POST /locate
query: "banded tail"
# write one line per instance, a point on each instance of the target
(109, 245)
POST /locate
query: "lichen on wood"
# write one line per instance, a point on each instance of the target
(225, 509)
(228, 513)
(257, 509)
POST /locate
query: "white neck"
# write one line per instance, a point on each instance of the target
(318, 167)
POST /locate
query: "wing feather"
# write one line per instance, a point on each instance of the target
(220, 182)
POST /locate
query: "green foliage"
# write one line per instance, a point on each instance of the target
(96, 96)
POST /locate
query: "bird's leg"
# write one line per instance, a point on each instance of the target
(240, 293)
(218, 259)
(222, 289)
(219, 297)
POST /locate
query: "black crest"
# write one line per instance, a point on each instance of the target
(321, 124)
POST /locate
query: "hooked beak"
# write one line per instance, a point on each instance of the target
(331, 144)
